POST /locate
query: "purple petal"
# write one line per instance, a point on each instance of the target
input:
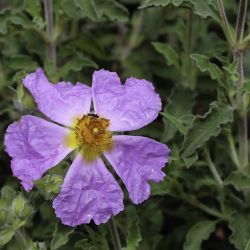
(35, 145)
(89, 192)
(61, 102)
(130, 106)
(138, 160)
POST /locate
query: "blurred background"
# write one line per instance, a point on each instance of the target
(181, 46)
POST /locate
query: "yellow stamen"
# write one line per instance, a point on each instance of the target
(91, 135)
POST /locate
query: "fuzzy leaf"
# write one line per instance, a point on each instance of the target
(87, 8)
(198, 233)
(204, 8)
(175, 121)
(200, 7)
(180, 105)
(190, 160)
(169, 53)
(155, 3)
(206, 127)
(77, 64)
(111, 9)
(5, 236)
(134, 234)
(49, 185)
(60, 236)
(205, 65)
(240, 227)
(239, 180)
(96, 10)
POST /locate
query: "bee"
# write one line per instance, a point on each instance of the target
(93, 115)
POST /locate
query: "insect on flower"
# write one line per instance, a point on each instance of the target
(89, 190)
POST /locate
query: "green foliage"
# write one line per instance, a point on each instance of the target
(180, 47)
(238, 179)
(240, 228)
(134, 233)
(198, 233)
(204, 65)
(180, 105)
(169, 54)
(60, 236)
(49, 185)
(206, 127)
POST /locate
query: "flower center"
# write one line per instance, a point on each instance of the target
(92, 136)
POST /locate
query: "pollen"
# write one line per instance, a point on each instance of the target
(92, 136)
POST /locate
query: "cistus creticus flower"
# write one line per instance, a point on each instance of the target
(89, 190)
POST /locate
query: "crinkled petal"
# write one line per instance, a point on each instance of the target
(138, 160)
(89, 192)
(130, 106)
(35, 145)
(61, 102)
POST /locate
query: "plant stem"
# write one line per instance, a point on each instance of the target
(241, 19)
(48, 9)
(233, 152)
(133, 36)
(114, 234)
(189, 31)
(242, 111)
(212, 167)
(196, 203)
(225, 23)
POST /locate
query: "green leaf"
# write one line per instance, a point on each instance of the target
(175, 121)
(169, 53)
(49, 185)
(204, 8)
(205, 65)
(60, 236)
(238, 179)
(96, 10)
(8, 193)
(200, 7)
(111, 9)
(21, 208)
(162, 188)
(33, 7)
(5, 236)
(198, 233)
(206, 127)
(240, 227)
(21, 62)
(180, 105)
(134, 235)
(155, 3)
(190, 160)
(87, 8)
(76, 64)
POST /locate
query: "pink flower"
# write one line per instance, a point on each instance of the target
(89, 190)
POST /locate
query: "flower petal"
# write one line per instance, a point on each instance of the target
(61, 102)
(35, 146)
(138, 160)
(89, 192)
(130, 106)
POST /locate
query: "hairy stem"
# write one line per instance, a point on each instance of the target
(241, 19)
(48, 9)
(242, 111)
(225, 23)
(189, 31)
(233, 153)
(212, 167)
(133, 36)
(114, 234)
